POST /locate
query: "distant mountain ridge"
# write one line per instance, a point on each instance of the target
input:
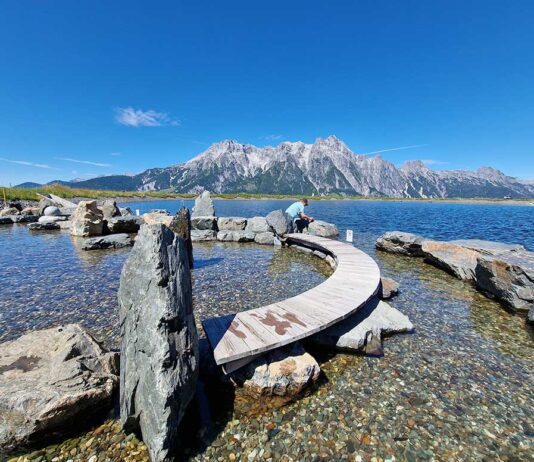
(327, 166)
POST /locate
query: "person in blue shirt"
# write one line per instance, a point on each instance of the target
(297, 216)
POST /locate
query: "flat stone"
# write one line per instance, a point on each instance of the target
(455, 259)
(363, 331)
(199, 235)
(113, 241)
(488, 247)
(257, 225)
(203, 223)
(286, 372)
(235, 236)
(87, 220)
(401, 243)
(159, 346)
(50, 219)
(24, 218)
(51, 381)
(124, 224)
(279, 222)
(323, 229)
(157, 218)
(48, 226)
(231, 223)
(508, 277)
(203, 206)
(388, 288)
(265, 238)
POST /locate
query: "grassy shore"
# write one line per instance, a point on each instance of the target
(70, 193)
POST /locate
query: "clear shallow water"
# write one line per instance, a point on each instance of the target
(459, 388)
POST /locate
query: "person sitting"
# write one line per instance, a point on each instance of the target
(297, 216)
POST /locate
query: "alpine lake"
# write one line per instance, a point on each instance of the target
(459, 388)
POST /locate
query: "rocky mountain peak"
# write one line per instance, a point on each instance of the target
(415, 166)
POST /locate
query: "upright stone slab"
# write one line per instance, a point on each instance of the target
(204, 206)
(181, 225)
(87, 220)
(109, 209)
(159, 348)
(279, 222)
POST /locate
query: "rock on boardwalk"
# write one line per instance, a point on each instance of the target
(51, 381)
(323, 229)
(159, 349)
(87, 220)
(203, 206)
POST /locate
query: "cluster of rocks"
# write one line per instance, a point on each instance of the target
(501, 271)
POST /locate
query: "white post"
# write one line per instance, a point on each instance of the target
(349, 235)
(137, 212)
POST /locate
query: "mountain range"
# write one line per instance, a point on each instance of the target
(327, 166)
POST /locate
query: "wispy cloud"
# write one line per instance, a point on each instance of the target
(272, 137)
(413, 146)
(28, 164)
(86, 162)
(116, 154)
(138, 118)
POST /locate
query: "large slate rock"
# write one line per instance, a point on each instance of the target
(51, 381)
(323, 229)
(113, 241)
(401, 243)
(157, 218)
(204, 223)
(235, 236)
(231, 223)
(203, 206)
(363, 331)
(257, 225)
(279, 222)
(488, 247)
(201, 235)
(159, 348)
(266, 238)
(109, 209)
(508, 277)
(181, 225)
(286, 372)
(87, 220)
(124, 224)
(47, 226)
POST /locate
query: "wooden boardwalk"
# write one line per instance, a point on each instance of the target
(238, 338)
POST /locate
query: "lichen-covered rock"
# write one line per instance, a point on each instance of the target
(47, 226)
(266, 238)
(508, 277)
(204, 223)
(279, 222)
(388, 288)
(286, 372)
(231, 223)
(124, 224)
(323, 229)
(401, 243)
(51, 381)
(157, 218)
(363, 331)
(109, 209)
(113, 241)
(87, 220)
(235, 236)
(159, 347)
(181, 226)
(257, 225)
(200, 235)
(203, 206)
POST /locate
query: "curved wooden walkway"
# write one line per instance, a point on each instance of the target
(238, 338)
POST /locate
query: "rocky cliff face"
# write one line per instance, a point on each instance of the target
(327, 166)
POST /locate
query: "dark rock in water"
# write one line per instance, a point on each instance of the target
(6, 221)
(530, 316)
(203, 206)
(323, 229)
(204, 223)
(279, 222)
(508, 277)
(51, 381)
(388, 288)
(159, 348)
(200, 235)
(401, 243)
(286, 372)
(47, 226)
(113, 241)
(124, 224)
(24, 218)
(231, 223)
(181, 225)
(109, 209)
(363, 331)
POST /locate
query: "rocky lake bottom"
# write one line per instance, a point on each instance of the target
(459, 388)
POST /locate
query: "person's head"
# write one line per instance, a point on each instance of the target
(304, 201)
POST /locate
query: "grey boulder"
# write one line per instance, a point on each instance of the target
(203, 223)
(6, 220)
(231, 223)
(52, 211)
(401, 243)
(113, 241)
(257, 225)
(266, 238)
(159, 347)
(109, 209)
(323, 229)
(388, 288)
(279, 222)
(124, 224)
(200, 235)
(50, 381)
(235, 236)
(203, 206)
(87, 220)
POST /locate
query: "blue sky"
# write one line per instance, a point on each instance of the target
(97, 87)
